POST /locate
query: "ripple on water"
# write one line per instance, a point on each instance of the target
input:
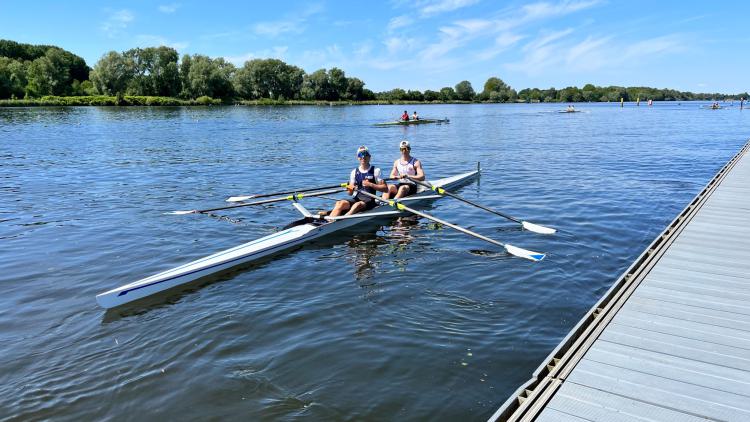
(405, 317)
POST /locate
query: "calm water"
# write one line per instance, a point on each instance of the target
(407, 321)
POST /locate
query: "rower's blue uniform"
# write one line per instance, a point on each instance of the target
(357, 177)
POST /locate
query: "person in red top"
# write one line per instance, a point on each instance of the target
(405, 116)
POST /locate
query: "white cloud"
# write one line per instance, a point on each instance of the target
(169, 8)
(434, 8)
(543, 10)
(399, 22)
(398, 44)
(117, 22)
(145, 40)
(278, 52)
(462, 33)
(502, 43)
(293, 23)
(556, 53)
(274, 29)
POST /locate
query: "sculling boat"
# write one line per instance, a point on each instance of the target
(301, 231)
(412, 122)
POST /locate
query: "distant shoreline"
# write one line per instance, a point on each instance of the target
(141, 101)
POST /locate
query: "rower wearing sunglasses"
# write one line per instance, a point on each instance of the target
(365, 178)
(406, 165)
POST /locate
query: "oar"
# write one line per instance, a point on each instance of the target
(513, 250)
(536, 228)
(266, 195)
(293, 197)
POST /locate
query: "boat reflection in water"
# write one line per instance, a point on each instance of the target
(391, 240)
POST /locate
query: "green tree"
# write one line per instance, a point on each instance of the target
(338, 83)
(355, 89)
(430, 95)
(315, 85)
(496, 90)
(414, 95)
(209, 77)
(12, 78)
(447, 94)
(154, 71)
(111, 74)
(268, 78)
(464, 91)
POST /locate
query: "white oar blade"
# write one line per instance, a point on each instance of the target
(239, 198)
(180, 212)
(536, 228)
(523, 253)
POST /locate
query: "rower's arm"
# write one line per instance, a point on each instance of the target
(381, 186)
(394, 171)
(419, 170)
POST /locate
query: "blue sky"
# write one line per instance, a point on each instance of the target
(695, 46)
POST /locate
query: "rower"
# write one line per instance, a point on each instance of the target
(366, 178)
(405, 116)
(571, 108)
(414, 116)
(406, 165)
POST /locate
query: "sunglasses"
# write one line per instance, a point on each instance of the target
(363, 154)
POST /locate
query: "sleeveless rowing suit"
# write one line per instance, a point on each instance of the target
(407, 169)
(357, 177)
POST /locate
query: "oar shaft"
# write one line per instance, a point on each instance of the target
(401, 206)
(266, 195)
(452, 195)
(292, 197)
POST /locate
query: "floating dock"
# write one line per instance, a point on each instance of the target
(670, 341)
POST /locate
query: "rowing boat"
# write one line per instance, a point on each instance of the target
(309, 228)
(412, 122)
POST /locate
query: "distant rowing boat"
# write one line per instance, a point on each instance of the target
(412, 122)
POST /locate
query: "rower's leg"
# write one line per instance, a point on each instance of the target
(357, 207)
(403, 191)
(391, 192)
(341, 207)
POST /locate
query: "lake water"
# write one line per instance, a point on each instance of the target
(403, 321)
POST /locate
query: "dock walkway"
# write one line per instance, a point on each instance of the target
(670, 341)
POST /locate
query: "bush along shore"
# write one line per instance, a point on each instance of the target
(106, 100)
(143, 100)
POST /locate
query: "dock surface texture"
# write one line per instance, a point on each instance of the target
(670, 341)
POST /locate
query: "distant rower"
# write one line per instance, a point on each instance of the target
(405, 116)
(414, 116)
(404, 166)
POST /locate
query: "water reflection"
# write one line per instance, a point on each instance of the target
(366, 247)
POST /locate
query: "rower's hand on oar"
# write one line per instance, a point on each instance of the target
(350, 189)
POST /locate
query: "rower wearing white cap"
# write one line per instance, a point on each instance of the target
(366, 178)
(406, 165)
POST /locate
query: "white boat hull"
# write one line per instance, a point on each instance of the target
(249, 252)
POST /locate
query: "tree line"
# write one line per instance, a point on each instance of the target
(33, 71)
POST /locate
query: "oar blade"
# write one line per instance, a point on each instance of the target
(239, 198)
(524, 253)
(181, 212)
(536, 228)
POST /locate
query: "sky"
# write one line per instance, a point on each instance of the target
(697, 46)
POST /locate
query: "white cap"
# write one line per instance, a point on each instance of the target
(404, 144)
(362, 149)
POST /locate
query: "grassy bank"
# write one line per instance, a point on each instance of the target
(103, 100)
